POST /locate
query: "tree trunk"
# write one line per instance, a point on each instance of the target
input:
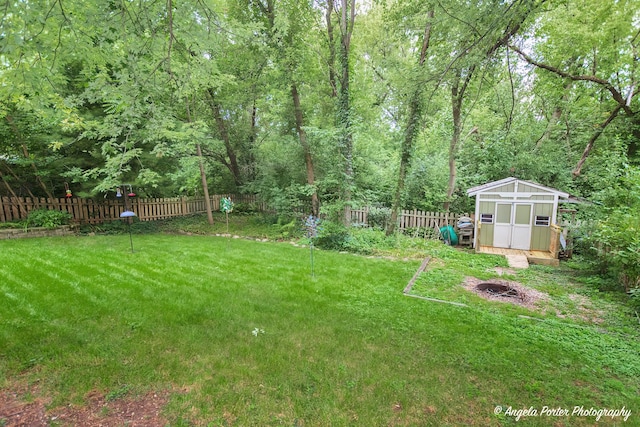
(25, 152)
(411, 131)
(456, 104)
(23, 211)
(302, 135)
(587, 150)
(555, 117)
(344, 105)
(18, 180)
(332, 50)
(203, 174)
(232, 165)
(205, 186)
(457, 97)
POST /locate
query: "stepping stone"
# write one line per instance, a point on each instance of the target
(517, 261)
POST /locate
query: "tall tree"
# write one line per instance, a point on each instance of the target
(412, 126)
(461, 79)
(346, 14)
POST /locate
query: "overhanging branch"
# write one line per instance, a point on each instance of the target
(617, 96)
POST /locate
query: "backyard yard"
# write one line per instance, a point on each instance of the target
(205, 330)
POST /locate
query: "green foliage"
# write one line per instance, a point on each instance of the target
(117, 393)
(614, 240)
(377, 217)
(333, 236)
(361, 240)
(10, 225)
(287, 227)
(247, 208)
(634, 295)
(48, 218)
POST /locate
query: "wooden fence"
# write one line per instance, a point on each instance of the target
(96, 211)
(412, 219)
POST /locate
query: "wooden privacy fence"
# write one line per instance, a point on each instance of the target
(413, 219)
(96, 211)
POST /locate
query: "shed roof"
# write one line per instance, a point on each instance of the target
(491, 185)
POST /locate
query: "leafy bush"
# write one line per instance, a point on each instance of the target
(634, 294)
(378, 217)
(618, 247)
(332, 236)
(247, 208)
(362, 240)
(287, 229)
(47, 218)
(614, 241)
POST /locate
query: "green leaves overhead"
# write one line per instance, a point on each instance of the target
(100, 92)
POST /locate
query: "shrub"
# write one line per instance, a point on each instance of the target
(367, 240)
(634, 295)
(47, 218)
(617, 245)
(613, 244)
(287, 227)
(378, 217)
(332, 236)
(247, 208)
(362, 240)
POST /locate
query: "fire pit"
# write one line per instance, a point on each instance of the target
(498, 289)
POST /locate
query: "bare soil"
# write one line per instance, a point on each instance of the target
(21, 406)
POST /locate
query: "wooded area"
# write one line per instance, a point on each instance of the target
(326, 104)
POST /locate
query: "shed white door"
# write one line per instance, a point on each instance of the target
(512, 227)
(502, 226)
(521, 229)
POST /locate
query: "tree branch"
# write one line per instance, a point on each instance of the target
(617, 96)
(576, 171)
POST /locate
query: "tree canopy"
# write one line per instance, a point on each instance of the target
(318, 104)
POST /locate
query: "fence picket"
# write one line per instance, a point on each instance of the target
(414, 219)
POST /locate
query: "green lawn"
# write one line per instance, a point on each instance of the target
(240, 334)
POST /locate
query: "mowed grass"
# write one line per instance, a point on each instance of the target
(240, 333)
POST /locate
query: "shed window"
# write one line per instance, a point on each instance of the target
(543, 220)
(486, 218)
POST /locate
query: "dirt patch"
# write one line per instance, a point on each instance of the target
(21, 408)
(501, 271)
(527, 297)
(585, 310)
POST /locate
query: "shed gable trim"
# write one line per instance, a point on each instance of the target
(485, 188)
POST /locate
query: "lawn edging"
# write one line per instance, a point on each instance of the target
(23, 233)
